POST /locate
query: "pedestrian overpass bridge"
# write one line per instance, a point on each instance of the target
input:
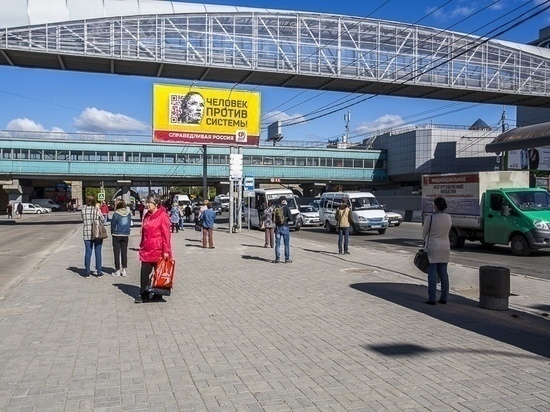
(250, 46)
(144, 164)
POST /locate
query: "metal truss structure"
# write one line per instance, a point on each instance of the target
(290, 49)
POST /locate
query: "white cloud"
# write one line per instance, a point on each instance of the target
(497, 5)
(446, 14)
(388, 121)
(101, 121)
(27, 128)
(461, 11)
(275, 115)
(25, 125)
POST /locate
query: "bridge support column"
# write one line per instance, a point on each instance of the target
(77, 192)
(17, 190)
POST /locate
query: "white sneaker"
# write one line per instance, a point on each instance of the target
(116, 274)
(123, 273)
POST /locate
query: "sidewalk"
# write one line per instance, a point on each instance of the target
(327, 332)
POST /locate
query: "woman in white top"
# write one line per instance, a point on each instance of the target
(436, 232)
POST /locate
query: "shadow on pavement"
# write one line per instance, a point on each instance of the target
(512, 327)
(130, 290)
(260, 246)
(78, 271)
(248, 257)
(405, 349)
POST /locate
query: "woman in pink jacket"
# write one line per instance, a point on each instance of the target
(155, 242)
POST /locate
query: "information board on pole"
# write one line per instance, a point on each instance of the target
(249, 186)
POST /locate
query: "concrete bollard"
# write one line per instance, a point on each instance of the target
(494, 287)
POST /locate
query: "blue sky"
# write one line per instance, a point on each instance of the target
(47, 100)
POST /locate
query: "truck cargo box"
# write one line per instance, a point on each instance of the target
(464, 192)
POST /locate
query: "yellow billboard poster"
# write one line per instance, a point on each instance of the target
(199, 115)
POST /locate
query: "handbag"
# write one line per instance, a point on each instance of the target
(262, 225)
(98, 230)
(421, 260)
(421, 257)
(163, 278)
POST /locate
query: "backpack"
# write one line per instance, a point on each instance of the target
(278, 216)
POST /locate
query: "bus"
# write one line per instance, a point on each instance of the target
(257, 204)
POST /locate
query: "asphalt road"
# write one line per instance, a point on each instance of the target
(406, 238)
(25, 244)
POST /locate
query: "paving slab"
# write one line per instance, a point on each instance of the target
(327, 332)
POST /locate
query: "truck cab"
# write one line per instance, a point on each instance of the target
(519, 217)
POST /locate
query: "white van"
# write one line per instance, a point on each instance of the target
(224, 201)
(46, 203)
(182, 200)
(366, 212)
(258, 204)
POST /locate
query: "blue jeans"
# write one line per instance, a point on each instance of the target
(282, 232)
(343, 234)
(94, 245)
(440, 269)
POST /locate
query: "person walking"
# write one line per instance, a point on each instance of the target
(121, 223)
(435, 233)
(105, 212)
(269, 226)
(187, 213)
(9, 211)
(141, 209)
(20, 209)
(181, 217)
(343, 221)
(175, 218)
(156, 243)
(208, 218)
(282, 217)
(90, 213)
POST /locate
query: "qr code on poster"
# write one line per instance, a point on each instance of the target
(175, 108)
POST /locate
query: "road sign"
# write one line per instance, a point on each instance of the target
(101, 196)
(248, 186)
(249, 183)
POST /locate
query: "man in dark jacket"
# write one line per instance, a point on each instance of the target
(282, 231)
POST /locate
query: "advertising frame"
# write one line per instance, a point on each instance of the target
(205, 116)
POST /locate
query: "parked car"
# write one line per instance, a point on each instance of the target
(310, 215)
(394, 219)
(30, 208)
(44, 209)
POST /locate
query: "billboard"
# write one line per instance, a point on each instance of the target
(535, 158)
(199, 115)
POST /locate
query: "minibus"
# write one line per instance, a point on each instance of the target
(367, 214)
(257, 204)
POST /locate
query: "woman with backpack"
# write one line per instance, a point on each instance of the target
(269, 225)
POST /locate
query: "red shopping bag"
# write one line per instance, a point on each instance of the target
(164, 274)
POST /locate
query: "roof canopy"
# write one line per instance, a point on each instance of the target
(521, 138)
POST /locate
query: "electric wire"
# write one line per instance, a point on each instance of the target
(474, 44)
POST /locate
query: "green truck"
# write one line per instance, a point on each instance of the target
(495, 208)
